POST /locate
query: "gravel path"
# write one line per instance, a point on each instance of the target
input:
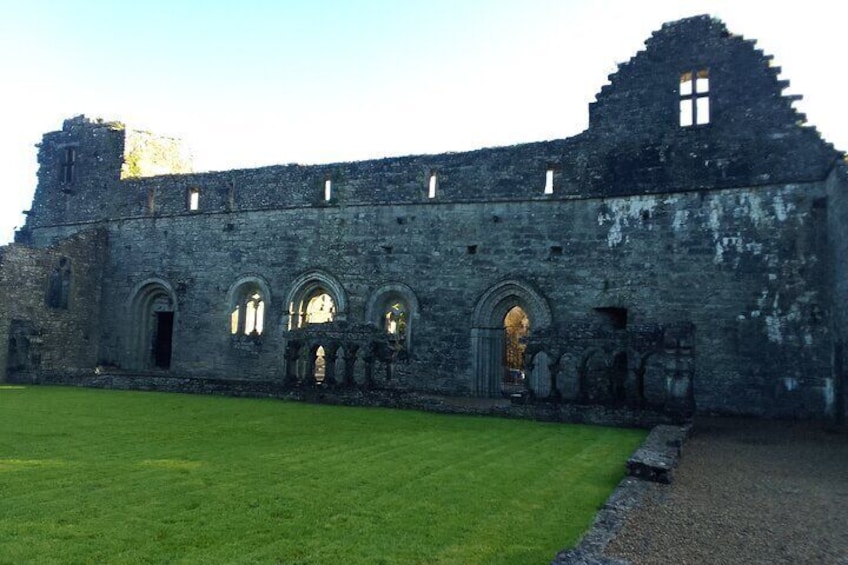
(747, 492)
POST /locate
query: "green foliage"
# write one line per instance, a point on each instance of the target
(94, 476)
(132, 162)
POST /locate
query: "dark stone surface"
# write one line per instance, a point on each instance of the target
(656, 458)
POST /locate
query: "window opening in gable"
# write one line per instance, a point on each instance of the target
(434, 181)
(328, 190)
(194, 199)
(549, 181)
(69, 160)
(694, 98)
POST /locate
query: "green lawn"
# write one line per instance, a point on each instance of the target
(97, 476)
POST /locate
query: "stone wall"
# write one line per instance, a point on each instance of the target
(746, 266)
(730, 225)
(837, 222)
(50, 305)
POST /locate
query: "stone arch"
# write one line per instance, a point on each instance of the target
(382, 299)
(487, 332)
(238, 297)
(307, 286)
(153, 309)
(493, 305)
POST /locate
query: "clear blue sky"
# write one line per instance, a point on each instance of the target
(263, 82)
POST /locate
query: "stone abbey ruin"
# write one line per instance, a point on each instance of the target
(688, 252)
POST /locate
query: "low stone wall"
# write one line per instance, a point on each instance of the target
(653, 462)
(541, 411)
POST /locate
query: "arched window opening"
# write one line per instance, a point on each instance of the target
(320, 365)
(395, 318)
(254, 314)
(247, 314)
(393, 308)
(59, 285)
(516, 327)
(320, 309)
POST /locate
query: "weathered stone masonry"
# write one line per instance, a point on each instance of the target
(659, 264)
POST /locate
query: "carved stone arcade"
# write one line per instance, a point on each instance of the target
(646, 366)
(361, 349)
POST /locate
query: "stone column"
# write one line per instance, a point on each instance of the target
(291, 354)
(330, 364)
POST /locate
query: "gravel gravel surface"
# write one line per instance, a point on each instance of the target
(746, 492)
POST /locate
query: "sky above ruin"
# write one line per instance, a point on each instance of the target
(252, 82)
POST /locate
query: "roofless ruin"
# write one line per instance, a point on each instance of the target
(687, 252)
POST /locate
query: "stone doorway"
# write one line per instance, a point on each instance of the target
(506, 303)
(516, 330)
(162, 336)
(151, 333)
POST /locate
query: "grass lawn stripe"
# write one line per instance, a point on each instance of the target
(124, 477)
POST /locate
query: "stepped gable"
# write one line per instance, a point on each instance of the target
(753, 135)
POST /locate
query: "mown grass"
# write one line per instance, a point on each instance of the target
(95, 476)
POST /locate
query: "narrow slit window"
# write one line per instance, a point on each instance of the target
(549, 181)
(194, 199)
(151, 200)
(69, 160)
(432, 187)
(694, 98)
(328, 190)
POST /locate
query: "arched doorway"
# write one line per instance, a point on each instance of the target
(516, 328)
(150, 340)
(506, 302)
